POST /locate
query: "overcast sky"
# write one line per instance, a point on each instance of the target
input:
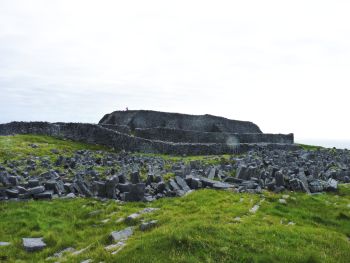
(284, 65)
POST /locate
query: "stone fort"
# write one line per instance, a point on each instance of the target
(161, 132)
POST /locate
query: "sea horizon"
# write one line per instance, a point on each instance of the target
(328, 143)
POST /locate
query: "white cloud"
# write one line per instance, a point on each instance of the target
(284, 65)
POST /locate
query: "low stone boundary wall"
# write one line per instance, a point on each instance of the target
(175, 135)
(95, 134)
(120, 128)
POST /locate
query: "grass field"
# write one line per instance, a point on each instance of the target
(204, 226)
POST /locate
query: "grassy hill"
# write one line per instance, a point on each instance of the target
(203, 226)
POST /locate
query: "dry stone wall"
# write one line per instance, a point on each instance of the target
(91, 133)
(174, 135)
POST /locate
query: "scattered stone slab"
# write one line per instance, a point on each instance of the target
(60, 253)
(122, 234)
(120, 220)
(113, 247)
(78, 252)
(135, 216)
(70, 196)
(148, 225)
(254, 209)
(4, 244)
(282, 201)
(33, 244)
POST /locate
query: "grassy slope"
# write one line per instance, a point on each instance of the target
(16, 147)
(200, 227)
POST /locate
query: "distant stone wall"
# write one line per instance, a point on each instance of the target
(174, 135)
(204, 123)
(120, 128)
(95, 134)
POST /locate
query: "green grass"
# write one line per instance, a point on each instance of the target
(199, 227)
(18, 146)
(309, 147)
(204, 159)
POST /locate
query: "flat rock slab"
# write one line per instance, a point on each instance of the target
(148, 225)
(121, 235)
(134, 216)
(115, 246)
(33, 244)
(4, 244)
(254, 209)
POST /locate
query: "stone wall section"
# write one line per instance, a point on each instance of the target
(95, 134)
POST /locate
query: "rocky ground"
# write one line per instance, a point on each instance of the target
(130, 177)
(264, 215)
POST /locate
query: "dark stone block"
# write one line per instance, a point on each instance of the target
(13, 180)
(12, 193)
(44, 195)
(135, 177)
(111, 186)
(33, 182)
(160, 187)
(36, 190)
(137, 192)
(123, 187)
(182, 183)
(279, 178)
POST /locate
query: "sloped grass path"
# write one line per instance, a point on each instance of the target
(200, 227)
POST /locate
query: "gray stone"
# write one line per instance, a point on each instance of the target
(211, 174)
(70, 195)
(36, 190)
(124, 187)
(83, 188)
(135, 177)
(43, 195)
(12, 193)
(13, 180)
(160, 187)
(56, 186)
(295, 184)
(316, 186)
(122, 179)
(207, 182)
(137, 192)
(100, 188)
(194, 183)
(111, 186)
(221, 186)
(121, 235)
(4, 244)
(279, 178)
(332, 185)
(245, 173)
(176, 188)
(182, 183)
(33, 244)
(304, 182)
(148, 225)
